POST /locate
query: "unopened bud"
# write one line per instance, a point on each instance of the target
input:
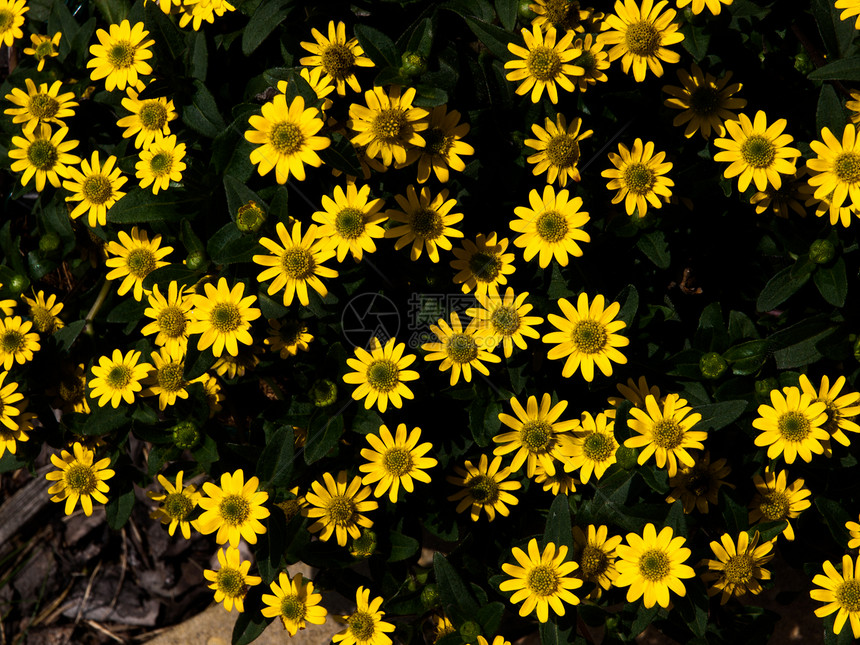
(363, 546)
(250, 217)
(49, 243)
(821, 251)
(803, 63)
(764, 386)
(196, 260)
(323, 393)
(469, 631)
(430, 596)
(18, 283)
(712, 365)
(413, 64)
(185, 435)
(626, 457)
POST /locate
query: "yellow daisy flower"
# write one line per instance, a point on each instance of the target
(78, 478)
(295, 602)
(44, 155)
(555, 484)
(43, 48)
(425, 222)
(840, 410)
(96, 187)
(72, 389)
(484, 488)
(557, 147)
(853, 529)
(543, 62)
(222, 317)
(117, 378)
(121, 55)
(594, 552)
(45, 312)
(854, 104)
(538, 436)
(641, 35)
(699, 484)
(635, 392)
(498, 640)
(365, 626)
(231, 581)
(148, 116)
(791, 425)
(459, 350)
(9, 397)
(233, 509)
(705, 100)
(442, 626)
(442, 145)
(203, 11)
(738, 567)
(160, 163)
(552, 227)
(542, 580)
(17, 342)
(852, 8)
(350, 222)
(229, 367)
(40, 105)
(135, 258)
(394, 461)
(776, 502)
(564, 15)
(653, 564)
(592, 448)
(639, 177)
(296, 263)
(841, 591)
(10, 437)
(698, 6)
(7, 307)
(482, 264)
(338, 507)
(587, 335)
(336, 56)
(321, 85)
(837, 168)
(789, 196)
(177, 504)
(389, 125)
(288, 337)
(171, 316)
(286, 136)
(166, 380)
(758, 153)
(504, 320)
(12, 12)
(593, 60)
(212, 390)
(381, 374)
(666, 432)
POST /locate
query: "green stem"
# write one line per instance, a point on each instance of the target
(100, 300)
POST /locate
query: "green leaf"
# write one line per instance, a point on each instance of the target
(429, 96)
(268, 15)
(452, 590)
(551, 633)
(719, 415)
(779, 289)
(478, 8)
(494, 38)
(802, 353)
(113, 11)
(206, 454)
(835, 33)
(275, 466)
(197, 362)
(66, 336)
(507, 12)
(735, 515)
(558, 285)
(847, 69)
(119, 506)
(80, 41)
(844, 637)
(324, 432)
(167, 35)
(203, 115)
(341, 155)
(490, 617)
(421, 40)
(696, 40)
(629, 300)
(140, 206)
(129, 310)
(248, 626)
(61, 19)
(402, 547)
(769, 530)
(830, 113)
(747, 358)
(676, 519)
(198, 60)
(832, 283)
(377, 46)
(558, 527)
(835, 516)
(229, 246)
(102, 420)
(238, 194)
(655, 248)
(740, 326)
(163, 276)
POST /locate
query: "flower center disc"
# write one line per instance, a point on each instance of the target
(668, 434)
(593, 562)
(382, 375)
(544, 63)
(462, 348)
(44, 106)
(542, 580)
(362, 626)
(43, 320)
(286, 138)
(235, 509)
(97, 189)
(642, 38)
(704, 100)
(847, 167)
(848, 595)
(586, 61)
(793, 426)
(551, 226)
(758, 152)
(427, 224)
(153, 115)
(563, 151)
(654, 565)
(536, 436)
(638, 178)
(171, 322)
(739, 569)
(598, 447)
(225, 317)
(337, 61)
(436, 142)
(775, 506)
(342, 510)
(505, 320)
(485, 266)
(292, 608)
(349, 223)
(42, 154)
(161, 163)
(388, 125)
(81, 479)
(121, 54)
(6, 19)
(119, 377)
(397, 462)
(483, 489)
(140, 263)
(589, 337)
(230, 582)
(12, 341)
(170, 377)
(178, 506)
(298, 263)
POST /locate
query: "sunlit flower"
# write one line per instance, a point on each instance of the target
(350, 221)
(389, 125)
(12, 14)
(17, 342)
(543, 62)
(118, 378)
(43, 48)
(148, 116)
(652, 565)
(171, 314)
(134, 258)
(792, 425)
(594, 552)
(231, 580)
(425, 221)
(160, 162)
(40, 104)
(79, 478)
(338, 506)
(841, 592)
(43, 154)
(552, 227)
(233, 509)
(295, 602)
(776, 502)
(381, 374)
(177, 503)
(336, 56)
(222, 317)
(365, 626)
(121, 55)
(738, 567)
(482, 264)
(459, 350)
(96, 186)
(395, 461)
(484, 487)
(504, 320)
(705, 100)
(592, 447)
(639, 177)
(557, 149)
